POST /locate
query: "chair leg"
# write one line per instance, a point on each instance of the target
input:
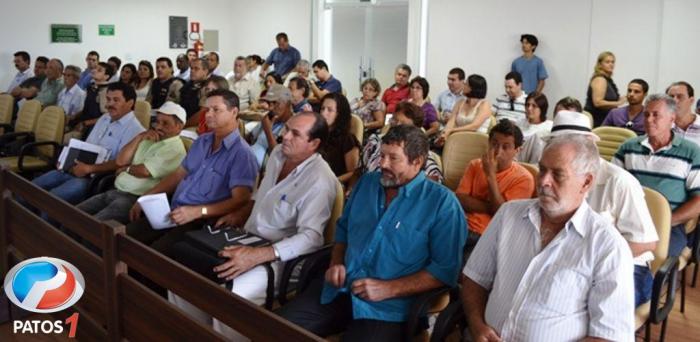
(683, 290)
(695, 275)
(662, 336)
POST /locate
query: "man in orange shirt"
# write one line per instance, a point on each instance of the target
(494, 179)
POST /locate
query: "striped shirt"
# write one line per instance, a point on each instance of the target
(579, 285)
(671, 170)
(502, 108)
(692, 132)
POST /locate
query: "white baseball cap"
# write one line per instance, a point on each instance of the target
(172, 108)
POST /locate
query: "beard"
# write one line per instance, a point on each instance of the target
(388, 180)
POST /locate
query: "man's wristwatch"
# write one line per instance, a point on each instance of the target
(204, 211)
(277, 254)
(128, 169)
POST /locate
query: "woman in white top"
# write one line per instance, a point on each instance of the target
(254, 64)
(472, 114)
(143, 83)
(536, 112)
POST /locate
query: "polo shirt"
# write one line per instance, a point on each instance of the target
(502, 108)
(72, 100)
(692, 132)
(532, 71)
(160, 159)
(423, 228)
(211, 175)
(619, 117)
(332, 85)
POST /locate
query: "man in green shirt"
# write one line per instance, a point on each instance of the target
(143, 162)
(52, 85)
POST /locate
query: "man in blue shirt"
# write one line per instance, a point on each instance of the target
(401, 234)
(530, 67)
(284, 58)
(92, 59)
(217, 177)
(112, 131)
(325, 85)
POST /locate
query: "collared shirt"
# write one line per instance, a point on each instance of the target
(261, 145)
(20, 77)
(618, 196)
(673, 170)
(531, 151)
(114, 135)
(72, 100)
(211, 175)
(160, 159)
(294, 212)
(332, 85)
(580, 284)
(48, 94)
(217, 72)
(447, 99)
(283, 60)
(692, 132)
(184, 75)
(513, 111)
(85, 79)
(247, 89)
(365, 109)
(532, 71)
(422, 229)
(620, 117)
(371, 155)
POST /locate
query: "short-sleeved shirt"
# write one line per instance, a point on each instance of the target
(692, 132)
(393, 95)
(85, 79)
(33, 82)
(429, 114)
(672, 170)
(48, 94)
(511, 109)
(160, 159)
(114, 135)
(531, 151)
(514, 182)
(71, 100)
(619, 117)
(20, 77)
(212, 175)
(261, 145)
(541, 129)
(580, 284)
(283, 60)
(423, 229)
(247, 89)
(331, 85)
(532, 71)
(336, 148)
(365, 109)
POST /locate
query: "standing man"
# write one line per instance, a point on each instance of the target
(22, 61)
(454, 92)
(630, 116)
(511, 105)
(91, 60)
(399, 91)
(687, 123)
(284, 58)
(529, 66)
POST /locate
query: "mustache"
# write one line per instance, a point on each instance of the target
(541, 191)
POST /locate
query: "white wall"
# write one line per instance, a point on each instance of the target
(142, 31)
(653, 40)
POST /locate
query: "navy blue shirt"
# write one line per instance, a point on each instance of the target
(423, 228)
(332, 85)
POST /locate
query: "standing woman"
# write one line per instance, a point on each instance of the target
(602, 95)
(419, 96)
(143, 82)
(342, 151)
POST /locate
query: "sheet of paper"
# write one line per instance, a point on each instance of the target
(157, 210)
(102, 153)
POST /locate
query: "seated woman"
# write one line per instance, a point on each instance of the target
(128, 75)
(143, 82)
(342, 151)
(471, 114)
(536, 111)
(254, 64)
(406, 113)
(300, 91)
(369, 107)
(419, 93)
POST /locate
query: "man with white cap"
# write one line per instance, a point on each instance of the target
(618, 195)
(142, 163)
(265, 135)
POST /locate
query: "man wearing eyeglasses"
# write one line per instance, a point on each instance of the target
(511, 105)
(630, 116)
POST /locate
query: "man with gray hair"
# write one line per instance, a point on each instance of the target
(301, 70)
(71, 98)
(52, 85)
(552, 268)
(662, 160)
(241, 83)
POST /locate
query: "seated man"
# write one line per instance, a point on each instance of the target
(52, 84)
(143, 162)
(183, 67)
(552, 269)
(454, 92)
(511, 105)
(400, 235)
(216, 177)
(294, 224)
(247, 88)
(326, 83)
(667, 163)
(493, 180)
(22, 62)
(398, 91)
(302, 70)
(112, 131)
(632, 115)
(266, 134)
(164, 87)
(71, 98)
(687, 124)
(191, 97)
(30, 87)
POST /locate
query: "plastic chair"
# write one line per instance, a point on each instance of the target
(460, 148)
(610, 140)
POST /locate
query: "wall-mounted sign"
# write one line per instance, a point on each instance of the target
(105, 30)
(178, 32)
(66, 33)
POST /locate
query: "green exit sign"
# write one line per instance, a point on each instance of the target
(106, 30)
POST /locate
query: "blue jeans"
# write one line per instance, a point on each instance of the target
(678, 240)
(63, 185)
(643, 282)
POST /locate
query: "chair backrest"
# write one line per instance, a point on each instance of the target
(6, 104)
(460, 148)
(610, 139)
(357, 128)
(187, 142)
(660, 212)
(27, 116)
(492, 121)
(241, 128)
(142, 110)
(534, 171)
(329, 232)
(49, 127)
